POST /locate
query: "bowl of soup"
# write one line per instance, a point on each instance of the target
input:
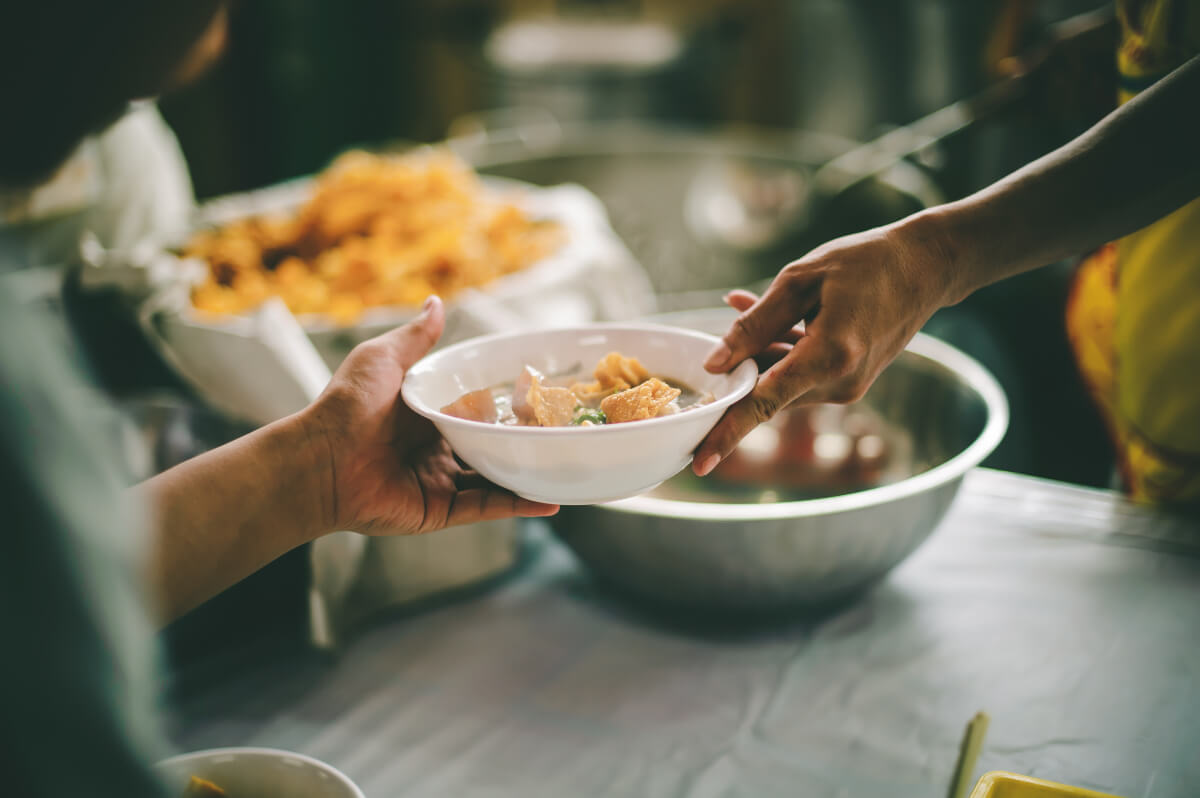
(253, 773)
(576, 415)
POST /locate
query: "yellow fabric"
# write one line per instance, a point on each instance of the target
(1134, 316)
(1091, 317)
(1156, 37)
(1158, 330)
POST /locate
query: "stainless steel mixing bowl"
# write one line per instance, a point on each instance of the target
(816, 506)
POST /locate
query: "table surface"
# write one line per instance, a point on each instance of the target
(1067, 614)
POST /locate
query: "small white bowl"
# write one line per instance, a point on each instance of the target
(259, 772)
(575, 465)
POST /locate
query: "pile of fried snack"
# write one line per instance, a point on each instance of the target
(377, 231)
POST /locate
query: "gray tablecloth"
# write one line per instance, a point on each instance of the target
(1070, 616)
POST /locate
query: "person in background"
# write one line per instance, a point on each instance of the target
(91, 565)
(832, 320)
(1133, 317)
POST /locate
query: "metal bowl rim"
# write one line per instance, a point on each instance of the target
(809, 149)
(571, 138)
(966, 368)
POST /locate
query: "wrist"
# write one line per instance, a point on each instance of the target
(305, 470)
(932, 237)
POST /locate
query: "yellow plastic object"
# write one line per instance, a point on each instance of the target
(998, 784)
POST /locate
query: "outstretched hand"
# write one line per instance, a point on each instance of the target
(826, 326)
(390, 469)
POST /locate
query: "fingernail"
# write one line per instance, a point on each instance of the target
(429, 300)
(718, 357)
(708, 464)
(530, 508)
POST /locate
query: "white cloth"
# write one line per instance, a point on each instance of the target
(126, 186)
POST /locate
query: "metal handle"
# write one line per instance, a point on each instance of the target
(875, 157)
(534, 129)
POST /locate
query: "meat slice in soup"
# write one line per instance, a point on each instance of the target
(521, 407)
(474, 406)
(650, 399)
(552, 407)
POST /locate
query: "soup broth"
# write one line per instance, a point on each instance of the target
(619, 390)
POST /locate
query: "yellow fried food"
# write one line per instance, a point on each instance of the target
(552, 407)
(377, 231)
(651, 399)
(202, 788)
(613, 373)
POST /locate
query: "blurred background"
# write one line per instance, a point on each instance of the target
(304, 79)
(538, 80)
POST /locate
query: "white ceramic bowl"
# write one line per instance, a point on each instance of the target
(258, 772)
(575, 465)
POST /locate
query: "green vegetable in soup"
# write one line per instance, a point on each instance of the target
(588, 415)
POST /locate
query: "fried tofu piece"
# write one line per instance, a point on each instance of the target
(474, 406)
(617, 372)
(650, 399)
(613, 373)
(552, 407)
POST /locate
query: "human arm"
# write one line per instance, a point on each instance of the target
(357, 459)
(863, 297)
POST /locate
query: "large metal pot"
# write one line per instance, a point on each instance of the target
(798, 522)
(652, 179)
